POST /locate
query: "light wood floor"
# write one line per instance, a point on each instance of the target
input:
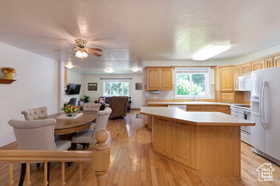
(135, 164)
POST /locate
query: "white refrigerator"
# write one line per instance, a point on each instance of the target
(265, 107)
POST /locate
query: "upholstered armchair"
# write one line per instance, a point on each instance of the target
(88, 137)
(119, 106)
(35, 113)
(36, 135)
(91, 106)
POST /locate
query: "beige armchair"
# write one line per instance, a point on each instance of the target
(36, 135)
(88, 137)
(91, 106)
(35, 113)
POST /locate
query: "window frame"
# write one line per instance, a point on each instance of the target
(116, 80)
(202, 70)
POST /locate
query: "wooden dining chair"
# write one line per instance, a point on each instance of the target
(87, 137)
(36, 135)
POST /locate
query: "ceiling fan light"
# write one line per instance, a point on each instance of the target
(135, 69)
(81, 54)
(69, 65)
(108, 70)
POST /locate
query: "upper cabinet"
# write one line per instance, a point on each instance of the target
(166, 78)
(153, 76)
(269, 62)
(226, 78)
(277, 61)
(245, 68)
(158, 78)
(258, 65)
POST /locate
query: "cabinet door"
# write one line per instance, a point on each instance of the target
(183, 144)
(246, 68)
(226, 78)
(153, 78)
(277, 61)
(161, 136)
(228, 97)
(166, 79)
(236, 74)
(269, 62)
(258, 65)
(194, 108)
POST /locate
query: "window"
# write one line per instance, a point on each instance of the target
(192, 82)
(116, 88)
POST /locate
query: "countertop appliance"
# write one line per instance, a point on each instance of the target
(243, 112)
(244, 83)
(265, 110)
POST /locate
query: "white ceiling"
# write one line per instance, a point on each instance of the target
(131, 31)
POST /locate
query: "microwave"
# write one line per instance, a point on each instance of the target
(244, 83)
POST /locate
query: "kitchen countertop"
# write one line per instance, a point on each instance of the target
(186, 103)
(195, 118)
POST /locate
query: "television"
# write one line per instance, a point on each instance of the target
(73, 89)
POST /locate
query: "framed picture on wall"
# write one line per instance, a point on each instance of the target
(92, 86)
(138, 86)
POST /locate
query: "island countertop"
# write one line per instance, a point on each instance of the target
(196, 118)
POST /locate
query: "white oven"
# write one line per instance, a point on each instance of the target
(243, 112)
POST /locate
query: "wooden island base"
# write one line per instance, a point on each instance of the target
(212, 151)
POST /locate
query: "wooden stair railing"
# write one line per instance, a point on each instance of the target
(99, 159)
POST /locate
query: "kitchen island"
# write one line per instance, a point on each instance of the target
(206, 142)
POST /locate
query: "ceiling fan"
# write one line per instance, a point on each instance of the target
(81, 51)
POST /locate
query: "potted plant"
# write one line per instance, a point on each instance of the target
(85, 99)
(70, 110)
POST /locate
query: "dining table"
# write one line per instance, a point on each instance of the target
(69, 125)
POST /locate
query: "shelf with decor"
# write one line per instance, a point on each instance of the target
(8, 75)
(7, 81)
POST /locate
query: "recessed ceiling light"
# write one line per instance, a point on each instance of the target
(108, 70)
(69, 65)
(211, 50)
(135, 69)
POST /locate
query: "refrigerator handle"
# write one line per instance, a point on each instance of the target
(263, 104)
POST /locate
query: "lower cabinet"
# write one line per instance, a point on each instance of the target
(148, 121)
(209, 108)
(175, 141)
(227, 97)
(162, 143)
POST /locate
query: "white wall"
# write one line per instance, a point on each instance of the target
(74, 76)
(36, 85)
(137, 95)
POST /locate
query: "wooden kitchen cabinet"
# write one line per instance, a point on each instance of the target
(245, 68)
(166, 79)
(226, 78)
(269, 62)
(158, 78)
(227, 97)
(153, 78)
(209, 108)
(148, 121)
(277, 61)
(258, 65)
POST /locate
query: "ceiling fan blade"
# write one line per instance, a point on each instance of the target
(95, 51)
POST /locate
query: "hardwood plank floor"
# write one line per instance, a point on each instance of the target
(133, 163)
